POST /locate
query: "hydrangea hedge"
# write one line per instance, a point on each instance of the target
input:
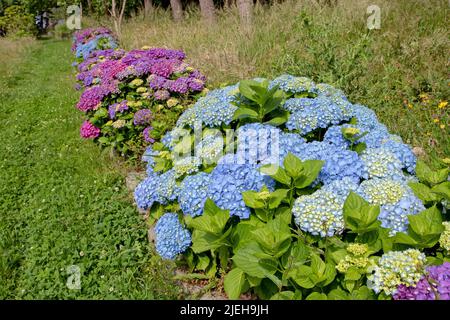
(130, 98)
(290, 191)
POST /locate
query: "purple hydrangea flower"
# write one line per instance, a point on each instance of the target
(146, 134)
(142, 117)
(88, 130)
(180, 85)
(434, 285)
(161, 94)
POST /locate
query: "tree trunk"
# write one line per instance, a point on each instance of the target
(177, 10)
(89, 5)
(207, 9)
(148, 7)
(118, 16)
(245, 11)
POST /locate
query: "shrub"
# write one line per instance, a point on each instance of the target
(131, 98)
(17, 22)
(289, 190)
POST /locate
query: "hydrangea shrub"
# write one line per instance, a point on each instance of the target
(130, 98)
(289, 187)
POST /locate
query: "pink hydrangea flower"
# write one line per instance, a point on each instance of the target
(88, 130)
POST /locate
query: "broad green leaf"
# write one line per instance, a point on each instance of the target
(337, 294)
(427, 222)
(277, 173)
(254, 262)
(204, 241)
(284, 295)
(212, 220)
(234, 283)
(359, 216)
(203, 262)
(317, 296)
(311, 169)
(352, 274)
(274, 236)
(293, 165)
(252, 199)
(243, 113)
(443, 190)
(277, 197)
(422, 192)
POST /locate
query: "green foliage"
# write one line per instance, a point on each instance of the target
(359, 216)
(296, 176)
(17, 22)
(433, 188)
(258, 103)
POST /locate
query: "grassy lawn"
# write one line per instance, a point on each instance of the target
(63, 202)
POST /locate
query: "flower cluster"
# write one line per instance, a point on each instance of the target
(396, 268)
(434, 285)
(88, 40)
(444, 240)
(356, 257)
(171, 237)
(396, 200)
(131, 97)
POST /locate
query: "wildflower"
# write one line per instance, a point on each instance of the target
(442, 104)
(442, 126)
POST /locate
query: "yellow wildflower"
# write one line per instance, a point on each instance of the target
(442, 104)
(436, 120)
(442, 126)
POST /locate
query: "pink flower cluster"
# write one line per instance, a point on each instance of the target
(89, 131)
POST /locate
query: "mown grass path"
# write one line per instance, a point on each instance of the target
(63, 202)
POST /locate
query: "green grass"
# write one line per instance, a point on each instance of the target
(63, 202)
(385, 69)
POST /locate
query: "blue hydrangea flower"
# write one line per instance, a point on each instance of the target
(259, 143)
(146, 193)
(156, 188)
(396, 268)
(340, 164)
(210, 148)
(335, 137)
(291, 84)
(171, 237)
(380, 163)
(174, 136)
(229, 180)
(320, 213)
(186, 165)
(375, 137)
(396, 201)
(193, 193)
(319, 114)
(326, 90)
(395, 216)
(290, 142)
(403, 152)
(212, 110)
(366, 117)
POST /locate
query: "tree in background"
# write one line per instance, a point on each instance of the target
(245, 11)
(177, 10)
(118, 15)
(208, 11)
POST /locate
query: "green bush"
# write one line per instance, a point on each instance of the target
(17, 22)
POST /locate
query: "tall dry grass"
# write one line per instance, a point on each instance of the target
(386, 69)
